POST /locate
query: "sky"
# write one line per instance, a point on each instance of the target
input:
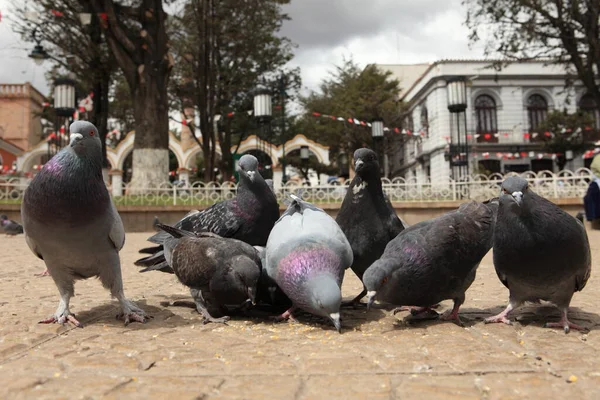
(326, 32)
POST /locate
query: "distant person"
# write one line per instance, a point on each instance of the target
(591, 201)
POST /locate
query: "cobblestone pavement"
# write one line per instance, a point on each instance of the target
(377, 355)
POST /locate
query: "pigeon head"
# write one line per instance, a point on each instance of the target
(248, 167)
(244, 277)
(3, 217)
(84, 139)
(365, 162)
(326, 298)
(375, 278)
(512, 191)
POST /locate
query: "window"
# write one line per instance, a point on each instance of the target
(424, 120)
(485, 108)
(587, 104)
(537, 110)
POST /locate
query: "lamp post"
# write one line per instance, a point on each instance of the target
(263, 110)
(64, 107)
(38, 54)
(378, 135)
(304, 155)
(459, 147)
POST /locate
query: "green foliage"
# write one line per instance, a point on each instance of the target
(568, 132)
(351, 92)
(223, 50)
(564, 30)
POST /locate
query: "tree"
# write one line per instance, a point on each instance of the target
(562, 131)
(137, 38)
(567, 31)
(225, 48)
(351, 92)
(74, 49)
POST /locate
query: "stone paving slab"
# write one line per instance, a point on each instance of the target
(378, 356)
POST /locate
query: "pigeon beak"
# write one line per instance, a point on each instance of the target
(518, 196)
(335, 318)
(358, 164)
(252, 295)
(74, 138)
(251, 175)
(370, 298)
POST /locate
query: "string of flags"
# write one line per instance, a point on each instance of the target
(189, 121)
(422, 132)
(516, 155)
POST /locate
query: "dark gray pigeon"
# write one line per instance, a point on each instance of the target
(306, 256)
(221, 273)
(71, 223)
(540, 251)
(248, 217)
(433, 260)
(10, 227)
(366, 216)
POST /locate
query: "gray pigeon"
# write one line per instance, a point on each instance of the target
(366, 216)
(433, 260)
(248, 217)
(540, 251)
(71, 223)
(221, 273)
(306, 256)
(10, 227)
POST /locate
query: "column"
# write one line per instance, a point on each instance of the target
(184, 175)
(116, 182)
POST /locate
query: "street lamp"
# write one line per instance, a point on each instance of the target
(378, 135)
(64, 107)
(263, 111)
(38, 54)
(304, 155)
(456, 90)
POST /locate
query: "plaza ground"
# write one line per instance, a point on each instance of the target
(377, 355)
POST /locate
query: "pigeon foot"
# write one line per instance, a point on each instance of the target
(62, 319)
(425, 315)
(414, 310)
(565, 324)
(453, 316)
(497, 319)
(286, 316)
(131, 312)
(45, 273)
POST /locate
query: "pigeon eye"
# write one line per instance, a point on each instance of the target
(91, 133)
(384, 280)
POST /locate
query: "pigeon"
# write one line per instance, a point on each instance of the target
(268, 292)
(306, 255)
(271, 186)
(10, 227)
(155, 223)
(71, 223)
(248, 217)
(433, 260)
(366, 216)
(221, 273)
(540, 251)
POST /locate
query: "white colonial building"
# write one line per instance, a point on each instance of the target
(503, 110)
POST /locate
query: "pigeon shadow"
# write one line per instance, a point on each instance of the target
(538, 315)
(106, 314)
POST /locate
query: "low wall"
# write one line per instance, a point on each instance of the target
(139, 219)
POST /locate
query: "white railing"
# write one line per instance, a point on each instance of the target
(564, 184)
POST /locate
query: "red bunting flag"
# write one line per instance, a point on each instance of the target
(316, 114)
(45, 104)
(396, 130)
(62, 129)
(184, 122)
(57, 13)
(547, 134)
(487, 136)
(523, 154)
(526, 135)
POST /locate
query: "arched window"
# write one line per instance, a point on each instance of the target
(487, 122)
(587, 104)
(424, 119)
(537, 110)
